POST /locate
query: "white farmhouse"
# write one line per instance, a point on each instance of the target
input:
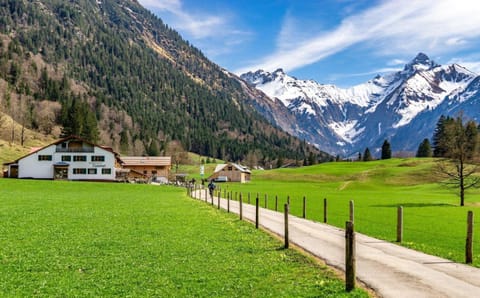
(71, 158)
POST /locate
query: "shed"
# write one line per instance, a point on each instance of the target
(234, 172)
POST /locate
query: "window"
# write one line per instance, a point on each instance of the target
(154, 172)
(66, 158)
(145, 172)
(79, 158)
(92, 171)
(78, 171)
(44, 157)
(106, 171)
(98, 158)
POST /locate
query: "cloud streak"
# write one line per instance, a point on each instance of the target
(390, 28)
(198, 26)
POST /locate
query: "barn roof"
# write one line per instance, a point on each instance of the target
(146, 160)
(241, 168)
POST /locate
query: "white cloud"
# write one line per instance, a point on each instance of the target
(198, 25)
(391, 28)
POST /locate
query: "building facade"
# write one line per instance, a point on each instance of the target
(231, 172)
(71, 158)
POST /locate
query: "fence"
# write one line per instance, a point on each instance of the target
(395, 231)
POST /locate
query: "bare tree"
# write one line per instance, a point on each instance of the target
(460, 160)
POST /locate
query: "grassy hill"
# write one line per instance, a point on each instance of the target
(141, 241)
(433, 220)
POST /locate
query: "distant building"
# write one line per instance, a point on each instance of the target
(71, 158)
(147, 166)
(231, 172)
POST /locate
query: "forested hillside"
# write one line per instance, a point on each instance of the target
(112, 72)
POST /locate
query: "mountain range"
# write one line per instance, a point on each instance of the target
(402, 107)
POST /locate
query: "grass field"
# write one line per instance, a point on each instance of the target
(66, 239)
(433, 221)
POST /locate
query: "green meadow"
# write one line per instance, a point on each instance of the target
(433, 221)
(75, 239)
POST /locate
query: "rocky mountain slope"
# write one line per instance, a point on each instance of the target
(143, 84)
(402, 106)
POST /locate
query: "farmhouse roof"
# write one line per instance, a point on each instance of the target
(241, 168)
(146, 160)
(72, 137)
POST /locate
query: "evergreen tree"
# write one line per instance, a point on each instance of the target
(440, 137)
(367, 156)
(386, 150)
(424, 149)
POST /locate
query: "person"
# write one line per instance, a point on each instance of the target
(211, 187)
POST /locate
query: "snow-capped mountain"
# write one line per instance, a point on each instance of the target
(402, 106)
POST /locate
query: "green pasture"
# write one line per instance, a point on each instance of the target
(433, 221)
(74, 239)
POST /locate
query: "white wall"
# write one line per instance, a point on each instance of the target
(31, 167)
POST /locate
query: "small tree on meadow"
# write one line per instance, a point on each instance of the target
(424, 149)
(386, 150)
(460, 156)
(367, 156)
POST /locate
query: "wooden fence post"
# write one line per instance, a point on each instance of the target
(256, 212)
(349, 256)
(218, 201)
(325, 210)
(240, 206)
(304, 207)
(469, 244)
(228, 203)
(266, 200)
(286, 225)
(276, 203)
(249, 198)
(400, 224)
(352, 211)
(288, 200)
(205, 192)
(235, 196)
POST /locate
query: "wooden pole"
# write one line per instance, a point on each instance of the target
(469, 244)
(218, 201)
(240, 207)
(276, 203)
(286, 225)
(256, 212)
(304, 207)
(400, 224)
(266, 200)
(249, 198)
(228, 203)
(288, 200)
(325, 210)
(352, 211)
(349, 256)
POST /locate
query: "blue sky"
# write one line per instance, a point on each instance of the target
(343, 42)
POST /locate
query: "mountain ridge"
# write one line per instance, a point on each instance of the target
(346, 121)
(144, 85)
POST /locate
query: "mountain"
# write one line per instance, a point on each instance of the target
(111, 71)
(401, 106)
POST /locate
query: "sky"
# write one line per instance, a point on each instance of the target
(341, 42)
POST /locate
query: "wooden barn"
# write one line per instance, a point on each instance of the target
(231, 172)
(147, 166)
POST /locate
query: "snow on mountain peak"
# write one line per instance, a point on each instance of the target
(420, 62)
